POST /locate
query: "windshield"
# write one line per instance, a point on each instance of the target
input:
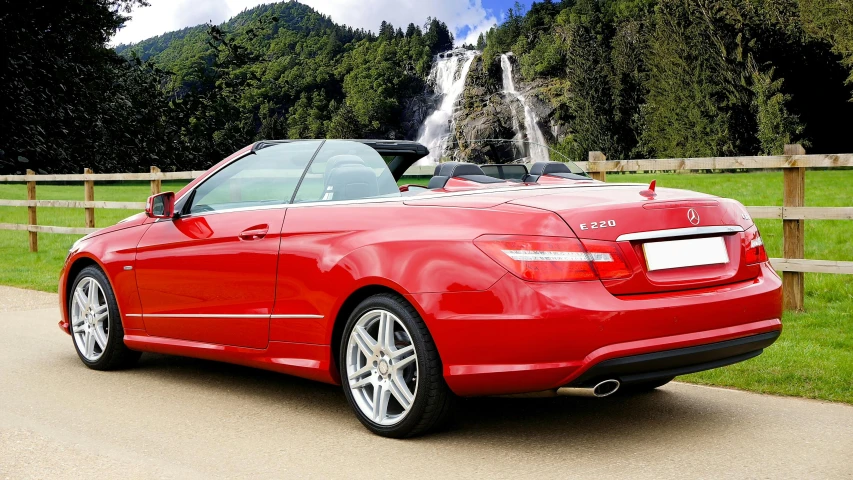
(267, 177)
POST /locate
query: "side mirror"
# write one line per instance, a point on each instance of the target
(161, 205)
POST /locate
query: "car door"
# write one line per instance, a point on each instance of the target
(322, 226)
(209, 275)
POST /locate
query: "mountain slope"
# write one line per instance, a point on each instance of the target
(283, 70)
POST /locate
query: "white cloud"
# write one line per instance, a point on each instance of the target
(163, 16)
(169, 15)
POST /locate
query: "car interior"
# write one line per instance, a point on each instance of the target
(554, 169)
(346, 171)
(348, 178)
(466, 171)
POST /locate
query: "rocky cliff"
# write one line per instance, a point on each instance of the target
(489, 123)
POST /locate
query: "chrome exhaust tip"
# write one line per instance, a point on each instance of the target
(600, 390)
(606, 388)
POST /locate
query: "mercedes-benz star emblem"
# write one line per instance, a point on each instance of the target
(693, 216)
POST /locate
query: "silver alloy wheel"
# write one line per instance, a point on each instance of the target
(90, 319)
(382, 367)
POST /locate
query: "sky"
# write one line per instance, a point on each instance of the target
(466, 18)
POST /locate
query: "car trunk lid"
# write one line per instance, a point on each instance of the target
(676, 240)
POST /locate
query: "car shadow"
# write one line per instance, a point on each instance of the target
(665, 415)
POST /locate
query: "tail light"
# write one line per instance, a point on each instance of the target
(555, 259)
(754, 251)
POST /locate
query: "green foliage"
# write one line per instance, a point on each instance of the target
(775, 125)
(663, 78)
(437, 36)
(65, 95)
(832, 21)
(589, 73)
(690, 93)
(629, 45)
(628, 77)
(186, 99)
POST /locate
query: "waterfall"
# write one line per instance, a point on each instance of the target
(447, 77)
(537, 150)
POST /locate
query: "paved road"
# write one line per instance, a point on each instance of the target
(184, 418)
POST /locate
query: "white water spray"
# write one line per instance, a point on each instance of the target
(448, 75)
(537, 149)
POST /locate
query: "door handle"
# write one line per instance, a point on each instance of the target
(254, 233)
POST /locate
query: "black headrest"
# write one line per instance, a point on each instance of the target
(457, 169)
(437, 182)
(544, 168)
(339, 160)
(350, 181)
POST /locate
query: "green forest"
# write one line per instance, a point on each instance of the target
(632, 78)
(689, 78)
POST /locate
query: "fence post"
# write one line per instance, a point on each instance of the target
(597, 171)
(89, 196)
(156, 185)
(31, 213)
(793, 231)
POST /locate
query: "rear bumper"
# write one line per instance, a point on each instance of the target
(680, 361)
(522, 337)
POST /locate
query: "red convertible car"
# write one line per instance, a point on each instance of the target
(306, 258)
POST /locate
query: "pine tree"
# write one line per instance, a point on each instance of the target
(591, 102)
(629, 92)
(411, 30)
(775, 125)
(588, 71)
(686, 114)
(438, 37)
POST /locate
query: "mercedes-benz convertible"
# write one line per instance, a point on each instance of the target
(306, 258)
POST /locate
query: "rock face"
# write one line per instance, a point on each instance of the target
(485, 113)
(490, 123)
(553, 130)
(415, 112)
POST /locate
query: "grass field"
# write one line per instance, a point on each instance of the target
(813, 358)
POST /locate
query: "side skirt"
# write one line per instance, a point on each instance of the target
(299, 359)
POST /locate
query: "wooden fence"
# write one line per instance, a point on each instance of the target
(793, 212)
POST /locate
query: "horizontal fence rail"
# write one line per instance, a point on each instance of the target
(73, 204)
(811, 266)
(102, 177)
(719, 163)
(792, 212)
(802, 213)
(47, 229)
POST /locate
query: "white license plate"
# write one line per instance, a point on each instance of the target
(685, 253)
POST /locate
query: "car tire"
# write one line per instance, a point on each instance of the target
(372, 369)
(644, 386)
(98, 340)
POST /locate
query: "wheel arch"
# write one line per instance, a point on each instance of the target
(346, 308)
(74, 268)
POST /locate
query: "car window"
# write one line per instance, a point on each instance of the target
(267, 177)
(346, 170)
